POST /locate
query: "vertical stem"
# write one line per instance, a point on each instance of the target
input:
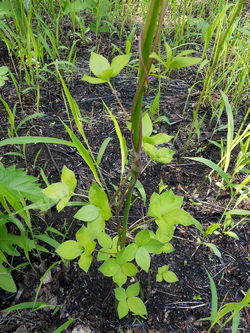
(148, 43)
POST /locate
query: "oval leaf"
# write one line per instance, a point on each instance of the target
(122, 309)
(133, 290)
(109, 267)
(142, 259)
(98, 64)
(170, 277)
(69, 250)
(137, 306)
(180, 62)
(87, 213)
(85, 261)
(120, 294)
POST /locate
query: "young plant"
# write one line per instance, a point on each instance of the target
(16, 188)
(229, 311)
(123, 253)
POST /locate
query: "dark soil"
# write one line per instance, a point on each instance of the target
(88, 298)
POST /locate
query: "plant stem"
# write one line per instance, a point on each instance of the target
(147, 44)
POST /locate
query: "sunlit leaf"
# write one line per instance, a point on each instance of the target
(87, 213)
(122, 309)
(69, 250)
(98, 64)
(85, 261)
(142, 259)
(137, 306)
(133, 290)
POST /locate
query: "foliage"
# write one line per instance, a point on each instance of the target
(120, 262)
(34, 35)
(3, 75)
(232, 309)
(17, 189)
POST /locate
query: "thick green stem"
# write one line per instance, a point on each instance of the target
(148, 42)
(125, 218)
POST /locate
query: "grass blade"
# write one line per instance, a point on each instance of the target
(34, 139)
(230, 130)
(122, 141)
(84, 153)
(102, 150)
(64, 325)
(29, 305)
(214, 300)
(213, 166)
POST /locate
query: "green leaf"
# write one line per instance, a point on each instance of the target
(120, 278)
(6, 280)
(56, 191)
(170, 277)
(102, 149)
(161, 155)
(96, 226)
(82, 236)
(213, 166)
(87, 213)
(142, 237)
(161, 204)
(142, 258)
(104, 240)
(120, 294)
(214, 301)
(17, 184)
(98, 64)
(167, 248)
(64, 325)
(93, 80)
(163, 269)
(159, 277)
(3, 70)
(214, 249)
(169, 54)
(122, 309)
(109, 267)
(157, 139)
(84, 153)
(127, 253)
(59, 192)
(98, 197)
(140, 188)
(231, 234)
(154, 246)
(133, 290)
(90, 247)
(45, 238)
(165, 231)
(180, 62)
(69, 250)
(179, 216)
(210, 229)
(29, 305)
(85, 261)
(136, 306)
(68, 178)
(118, 63)
(129, 269)
(186, 52)
(147, 127)
(34, 139)
(122, 141)
(156, 57)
